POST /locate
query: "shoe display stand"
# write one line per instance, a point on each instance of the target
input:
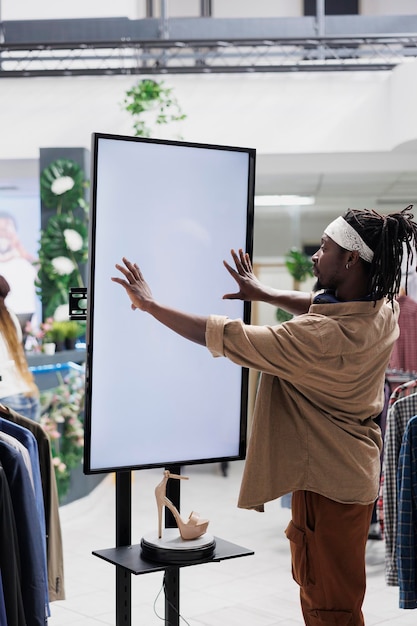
(172, 550)
(129, 559)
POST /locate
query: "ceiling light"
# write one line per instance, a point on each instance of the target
(290, 200)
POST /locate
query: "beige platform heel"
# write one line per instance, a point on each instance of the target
(194, 527)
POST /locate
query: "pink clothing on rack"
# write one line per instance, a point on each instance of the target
(404, 353)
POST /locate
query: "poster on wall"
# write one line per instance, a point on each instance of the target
(19, 239)
(176, 208)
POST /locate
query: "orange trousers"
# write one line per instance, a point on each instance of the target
(328, 542)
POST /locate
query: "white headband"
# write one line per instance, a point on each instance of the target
(346, 236)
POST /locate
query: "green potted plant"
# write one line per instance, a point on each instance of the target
(282, 316)
(56, 334)
(73, 330)
(300, 267)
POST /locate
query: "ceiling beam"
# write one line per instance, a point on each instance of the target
(106, 46)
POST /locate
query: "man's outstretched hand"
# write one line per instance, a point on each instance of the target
(135, 285)
(249, 286)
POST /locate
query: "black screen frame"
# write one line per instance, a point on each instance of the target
(89, 468)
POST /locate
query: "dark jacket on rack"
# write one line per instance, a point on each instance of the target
(55, 560)
(9, 557)
(29, 537)
(407, 517)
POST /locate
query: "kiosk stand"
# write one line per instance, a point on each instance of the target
(128, 558)
(170, 175)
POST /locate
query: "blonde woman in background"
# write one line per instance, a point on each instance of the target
(18, 390)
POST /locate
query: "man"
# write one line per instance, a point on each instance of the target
(321, 388)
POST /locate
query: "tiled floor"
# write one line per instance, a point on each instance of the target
(251, 591)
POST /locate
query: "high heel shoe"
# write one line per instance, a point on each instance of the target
(194, 527)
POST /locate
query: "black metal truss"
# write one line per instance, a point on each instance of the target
(50, 48)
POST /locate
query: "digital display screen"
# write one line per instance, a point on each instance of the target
(176, 209)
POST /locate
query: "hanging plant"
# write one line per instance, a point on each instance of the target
(150, 102)
(64, 242)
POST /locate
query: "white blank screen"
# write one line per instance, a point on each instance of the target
(176, 209)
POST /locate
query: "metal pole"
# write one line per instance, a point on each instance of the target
(205, 8)
(123, 538)
(320, 25)
(320, 13)
(172, 574)
(1, 33)
(164, 20)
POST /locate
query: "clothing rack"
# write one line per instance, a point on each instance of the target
(394, 500)
(396, 377)
(31, 555)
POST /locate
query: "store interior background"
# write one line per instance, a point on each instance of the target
(343, 138)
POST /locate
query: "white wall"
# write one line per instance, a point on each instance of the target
(136, 9)
(388, 7)
(298, 113)
(258, 8)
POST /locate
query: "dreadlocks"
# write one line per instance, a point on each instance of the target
(390, 237)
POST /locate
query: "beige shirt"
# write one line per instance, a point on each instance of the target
(321, 386)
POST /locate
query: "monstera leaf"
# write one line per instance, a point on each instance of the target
(63, 249)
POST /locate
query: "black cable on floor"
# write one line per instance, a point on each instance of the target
(170, 604)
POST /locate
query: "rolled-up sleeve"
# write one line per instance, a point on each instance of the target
(278, 350)
(214, 334)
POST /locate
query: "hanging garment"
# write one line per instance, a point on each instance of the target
(23, 452)
(398, 417)
(407, 518)
(404, 353)
(9, 561)
(3, 616)
(376, 530)
(55, 560)
(27, 439)
(33, 583)
(402, 384)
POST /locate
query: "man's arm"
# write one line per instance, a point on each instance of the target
(192, 327)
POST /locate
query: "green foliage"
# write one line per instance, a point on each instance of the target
(298, 264)
(149, 96)
(56, 333)
(282, 316)
(62, 171)
(59, 331)
(73, 329)
(62, 417)
(63, 243)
